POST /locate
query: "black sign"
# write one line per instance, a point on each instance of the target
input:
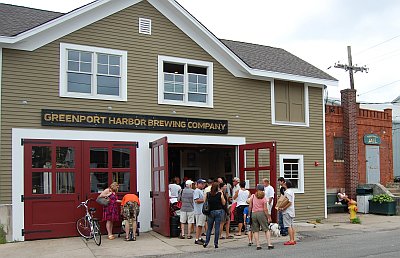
(130, 121)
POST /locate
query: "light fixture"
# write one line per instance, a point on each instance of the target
(173, 112)
(109, 108)
(24, 102)
(237, 116)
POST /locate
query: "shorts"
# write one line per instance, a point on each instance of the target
(287, 220)
(239, 213)
(269, 207)
(259, 219)
(200, 220)
(187, 217)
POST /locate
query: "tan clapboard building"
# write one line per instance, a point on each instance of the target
(138, 92)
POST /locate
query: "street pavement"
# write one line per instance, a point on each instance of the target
(377, 236)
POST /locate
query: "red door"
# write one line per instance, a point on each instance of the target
(104, 163)
(159, 174)
(52, 188)
(258, 161)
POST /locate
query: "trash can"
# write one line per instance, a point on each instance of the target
(364, 190)
(175, 225)
(364, 194)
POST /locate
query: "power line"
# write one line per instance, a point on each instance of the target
(378, 88)
(374, 46)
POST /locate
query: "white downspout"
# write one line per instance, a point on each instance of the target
(1, 73)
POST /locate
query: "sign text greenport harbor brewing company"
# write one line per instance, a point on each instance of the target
(132, 121)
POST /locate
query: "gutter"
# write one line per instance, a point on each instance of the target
(324, 137)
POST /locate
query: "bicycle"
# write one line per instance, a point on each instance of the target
(88, 226)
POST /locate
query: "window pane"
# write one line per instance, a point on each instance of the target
(169, 87)
(179, 88)
(202, 79)
(250, 158)
(86, 67)
(178, 78)
(114, 70)
(171, 96)
(123, 179)
(73, 55)
(197, 69)
(99, 158)
(197, 97)
(251, 177)
(192, 87)
(103, 69)
(78, 82)
(192, 78)
(41, 183)
(168, 77)
(161, 151)
(86, 57)
(202, 88)
(338, 148)
(162, 181)
(155, 157)
(73, 66)
(65, 157)
(108, 85)
(98, 181)
(156, 181)
(41, 157)
(174, 68)
(263, 157)
(65, 182)
(115, 60)
(102, 59)
(121, 158)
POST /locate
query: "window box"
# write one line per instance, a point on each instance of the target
(93, 73)
(185, 82)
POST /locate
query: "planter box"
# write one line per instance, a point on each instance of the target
(385, 208)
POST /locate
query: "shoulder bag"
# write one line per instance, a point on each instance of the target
(206, 206)
(103, 201)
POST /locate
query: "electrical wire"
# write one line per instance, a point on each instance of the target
(377, 88)
(374, 46)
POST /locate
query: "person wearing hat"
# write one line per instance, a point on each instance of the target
(198, 200)
(187, 209)
(260, 216)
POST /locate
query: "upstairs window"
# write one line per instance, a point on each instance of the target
(93, 73)
(185, 82)
(338, 143)
(289, 103)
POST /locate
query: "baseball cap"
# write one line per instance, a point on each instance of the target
(189, 182)
(201, 181)
(260, 187)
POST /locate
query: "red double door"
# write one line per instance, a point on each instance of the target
(58, 175)
(256, 161)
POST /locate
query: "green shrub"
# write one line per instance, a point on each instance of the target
(2, 235)
(356, 221)
(381, 198)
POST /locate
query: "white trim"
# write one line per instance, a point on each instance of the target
(95, 50)
(1, 73)
(86, 15)
(185, 102)
(143, 164)
(301, 169)
(324, 137)
(306, 108)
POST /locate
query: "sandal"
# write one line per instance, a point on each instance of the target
(237, 235)
(127, 239)
(134, 238)
(222, 238)
(230, 237)
(189, 237)
(111, 237)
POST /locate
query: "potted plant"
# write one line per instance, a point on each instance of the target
(382, 204)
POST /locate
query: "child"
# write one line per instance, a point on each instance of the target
(246, 218)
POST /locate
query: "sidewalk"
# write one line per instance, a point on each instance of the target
(152, 244)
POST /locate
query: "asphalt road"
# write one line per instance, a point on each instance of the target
(333, 243)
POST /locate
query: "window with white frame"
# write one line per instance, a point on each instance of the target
(185, 82)
(292, 168)
(93, 72)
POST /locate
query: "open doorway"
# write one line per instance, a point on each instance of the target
(201, 161)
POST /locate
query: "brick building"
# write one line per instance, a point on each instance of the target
(375, 154)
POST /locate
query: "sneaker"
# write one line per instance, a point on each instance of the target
(199, 242)
(216, 246)
(289, 243)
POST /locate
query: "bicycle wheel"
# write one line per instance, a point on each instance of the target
(83, 227)
(96, 232)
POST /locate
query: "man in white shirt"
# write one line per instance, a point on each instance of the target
(288, 212)
(174, 191)
(269, 194)
(236, 187)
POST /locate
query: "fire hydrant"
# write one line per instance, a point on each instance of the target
(353, 210)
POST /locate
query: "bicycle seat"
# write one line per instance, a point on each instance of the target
(95, 219)
(92, 209)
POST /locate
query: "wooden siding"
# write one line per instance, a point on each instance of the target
(34, 76)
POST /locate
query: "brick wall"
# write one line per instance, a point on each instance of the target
(368, 121)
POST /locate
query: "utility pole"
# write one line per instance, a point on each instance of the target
(352, 69)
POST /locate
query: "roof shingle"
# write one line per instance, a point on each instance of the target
(274, 60)
(16, 19)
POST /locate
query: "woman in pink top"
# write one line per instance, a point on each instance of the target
(260, 216)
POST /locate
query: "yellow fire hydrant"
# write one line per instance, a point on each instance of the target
(353, 210)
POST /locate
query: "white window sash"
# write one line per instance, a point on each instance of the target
(300, 176)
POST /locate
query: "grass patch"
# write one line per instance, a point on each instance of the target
(2, 235)
(355, 221)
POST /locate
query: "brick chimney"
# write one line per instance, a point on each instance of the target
(350, 111)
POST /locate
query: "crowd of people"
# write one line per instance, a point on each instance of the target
(231, 203)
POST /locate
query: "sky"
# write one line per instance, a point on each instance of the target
(314, 30)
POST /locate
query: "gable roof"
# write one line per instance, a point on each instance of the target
(17, 19)
(273, 59)
(241, 59)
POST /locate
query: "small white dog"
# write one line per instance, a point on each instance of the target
(274, 227)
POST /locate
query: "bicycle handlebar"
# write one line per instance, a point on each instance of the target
(84, 203)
